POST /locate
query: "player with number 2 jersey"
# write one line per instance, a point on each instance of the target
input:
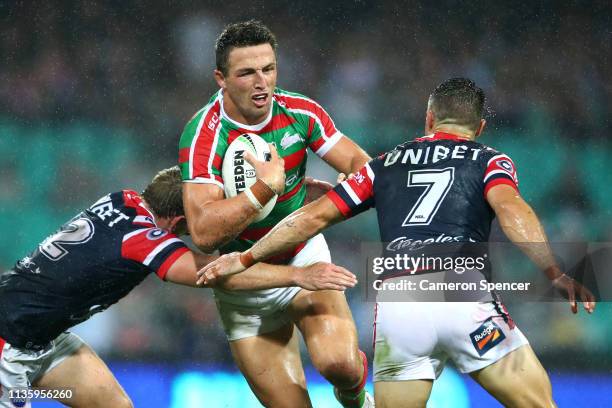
(92, 262)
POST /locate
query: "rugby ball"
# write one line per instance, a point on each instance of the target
(238, 174)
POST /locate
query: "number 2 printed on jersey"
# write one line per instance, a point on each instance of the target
(76, 232)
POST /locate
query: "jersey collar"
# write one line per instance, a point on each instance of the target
(443, 136)
(252, 128)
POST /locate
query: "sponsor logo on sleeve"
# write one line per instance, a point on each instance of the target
(487, 336)
(506, 165)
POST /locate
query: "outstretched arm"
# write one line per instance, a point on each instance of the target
(319, 276)
(291, 231)
(522, 226)
(296, 228)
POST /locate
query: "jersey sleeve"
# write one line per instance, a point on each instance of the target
(500, 170)
(153, 247)
(198, 157)
(355, 195)
(321, 132)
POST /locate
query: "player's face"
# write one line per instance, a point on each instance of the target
(249, 83)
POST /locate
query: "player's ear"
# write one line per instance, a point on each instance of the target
(220, 78)
(481, 127)
(429, 122)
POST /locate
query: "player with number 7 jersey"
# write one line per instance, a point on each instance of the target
(443, 188)
(441, 176)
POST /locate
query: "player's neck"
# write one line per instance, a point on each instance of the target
(459, 131)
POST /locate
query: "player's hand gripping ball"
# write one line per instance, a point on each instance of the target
(238, 174)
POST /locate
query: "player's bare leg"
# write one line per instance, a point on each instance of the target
(517, 380)
(402, 394)
(272, 365)
(326, 323)
(92, 383)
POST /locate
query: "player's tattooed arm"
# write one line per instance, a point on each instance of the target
(294, 229)
(297, 228)
(522, 226)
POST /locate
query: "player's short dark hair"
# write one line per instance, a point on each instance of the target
(164, 194)
(458, 101)
(243, 34)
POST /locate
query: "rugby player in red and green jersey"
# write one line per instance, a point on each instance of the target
(260, 325)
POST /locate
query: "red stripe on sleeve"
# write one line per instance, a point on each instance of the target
(205, 141)
(362, 190)
(497, 182)
(139, 246)
(136, 247)
(165, 266)
(361, 184)
(339, 202)
(316, 145)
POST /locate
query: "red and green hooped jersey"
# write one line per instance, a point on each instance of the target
(294, 123)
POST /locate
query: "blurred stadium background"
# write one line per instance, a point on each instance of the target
(94, 95)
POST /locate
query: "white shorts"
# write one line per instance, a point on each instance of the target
(250, 313)
(413, 340)
(20, 368)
